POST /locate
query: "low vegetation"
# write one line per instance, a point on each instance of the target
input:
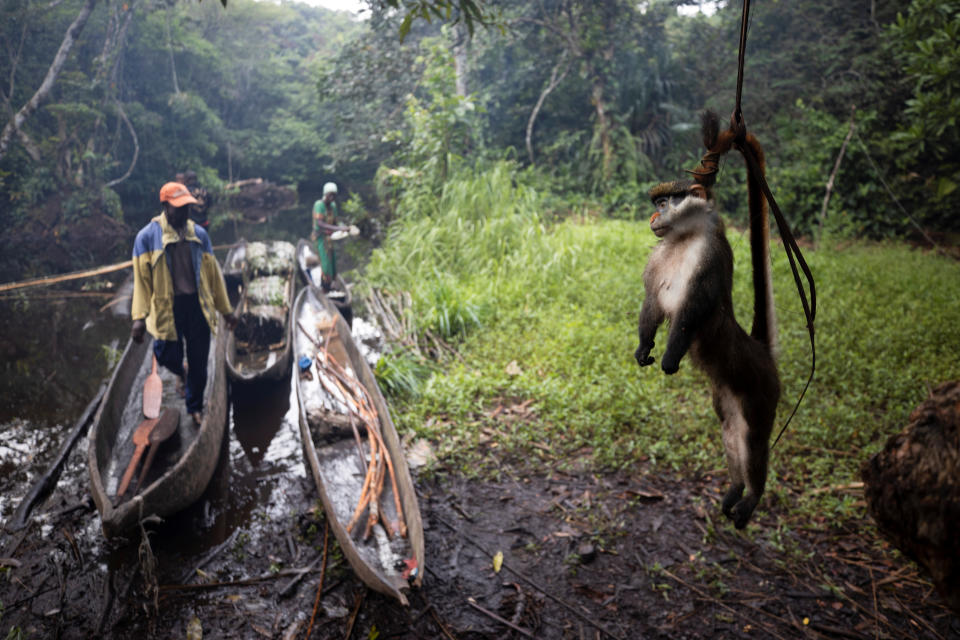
(547, 322)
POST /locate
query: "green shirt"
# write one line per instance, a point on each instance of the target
(322, 213)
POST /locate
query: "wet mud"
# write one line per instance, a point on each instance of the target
(637, 554)
(583, 556)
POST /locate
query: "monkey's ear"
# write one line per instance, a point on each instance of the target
(698, 190)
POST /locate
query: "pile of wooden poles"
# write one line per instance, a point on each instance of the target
(339, 384)
(392, 313)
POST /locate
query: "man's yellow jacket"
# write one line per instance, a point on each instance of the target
(153, 282)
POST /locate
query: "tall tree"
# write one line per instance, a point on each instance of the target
(16, 122)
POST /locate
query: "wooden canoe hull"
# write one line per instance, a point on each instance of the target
(184, 464)
(343, 302)
(336, 472)
(276, 363)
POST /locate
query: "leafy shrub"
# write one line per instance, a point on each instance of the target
(402, 374)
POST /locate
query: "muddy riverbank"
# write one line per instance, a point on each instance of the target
(584, 556)
(635, 554)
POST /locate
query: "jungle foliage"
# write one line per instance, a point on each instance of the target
(599, 99)
(508, 151)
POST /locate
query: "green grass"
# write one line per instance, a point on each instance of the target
(562, 301)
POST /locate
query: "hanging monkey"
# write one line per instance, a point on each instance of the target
(688, 280)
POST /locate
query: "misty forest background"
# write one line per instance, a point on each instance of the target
(502, 152)
(601, 99)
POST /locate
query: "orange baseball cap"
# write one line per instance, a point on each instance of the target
(176, 194)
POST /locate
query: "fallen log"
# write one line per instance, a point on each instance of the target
(912, 488)
(42, 488)
(78, 275)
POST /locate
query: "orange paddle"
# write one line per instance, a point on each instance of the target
(165, 428)
(152, 393)
(141, 438)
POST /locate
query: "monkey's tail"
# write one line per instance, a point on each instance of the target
(764, 313)
(719, 143)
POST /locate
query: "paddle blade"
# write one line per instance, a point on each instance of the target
(141, 438)
(152, 393)
(166, 426)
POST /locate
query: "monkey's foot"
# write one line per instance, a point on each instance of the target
(742, 510)
(731, 498)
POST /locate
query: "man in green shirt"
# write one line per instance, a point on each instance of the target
(325, 213)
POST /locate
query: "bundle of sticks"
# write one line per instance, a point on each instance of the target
(347, 388)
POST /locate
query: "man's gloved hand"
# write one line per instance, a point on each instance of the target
(354, 230)
(137, 330)
(230, 320)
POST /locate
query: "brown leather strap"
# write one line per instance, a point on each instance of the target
(789, 243)
(795, 257)
(741, 57)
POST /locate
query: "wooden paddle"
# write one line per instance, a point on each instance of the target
(141, 438)
(152, 398)
(166, 427)
(152, 393)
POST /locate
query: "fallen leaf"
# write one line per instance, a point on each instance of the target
(419, 454)
(194, 629)
(513, 369)
(497, 561)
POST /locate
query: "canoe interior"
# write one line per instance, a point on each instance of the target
(260, 345)
(183, 463)
(337, 464)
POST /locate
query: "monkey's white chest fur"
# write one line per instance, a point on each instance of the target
(673, 268)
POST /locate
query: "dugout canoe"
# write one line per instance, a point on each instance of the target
(233, 267)
(259, 347)
(183, 464)
(336, 463)
(308, 263)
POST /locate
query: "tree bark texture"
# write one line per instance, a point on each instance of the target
(136, 146)
(173, 64)
(603, 128)
(20, 118)
(460, 39)
(836, 169)
(556, 77)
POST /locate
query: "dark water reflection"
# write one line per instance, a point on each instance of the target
(54, 353)
(260, 462)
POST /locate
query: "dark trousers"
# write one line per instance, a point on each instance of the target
(193, 329)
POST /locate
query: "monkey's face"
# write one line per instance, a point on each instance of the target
(679, 212)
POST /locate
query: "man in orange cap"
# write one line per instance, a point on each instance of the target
(177, 291)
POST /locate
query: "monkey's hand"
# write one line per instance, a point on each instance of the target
(642, 354)
(669, 364)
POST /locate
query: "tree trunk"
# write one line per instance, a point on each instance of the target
(20, 118)
(173, 65)
(136, 146)
(109, 81)
(603, 125)
(836, 168)
(555, 78)
(460, 38)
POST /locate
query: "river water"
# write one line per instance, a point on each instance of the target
(57, 346)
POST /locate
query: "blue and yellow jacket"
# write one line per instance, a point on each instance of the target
(153, 282)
